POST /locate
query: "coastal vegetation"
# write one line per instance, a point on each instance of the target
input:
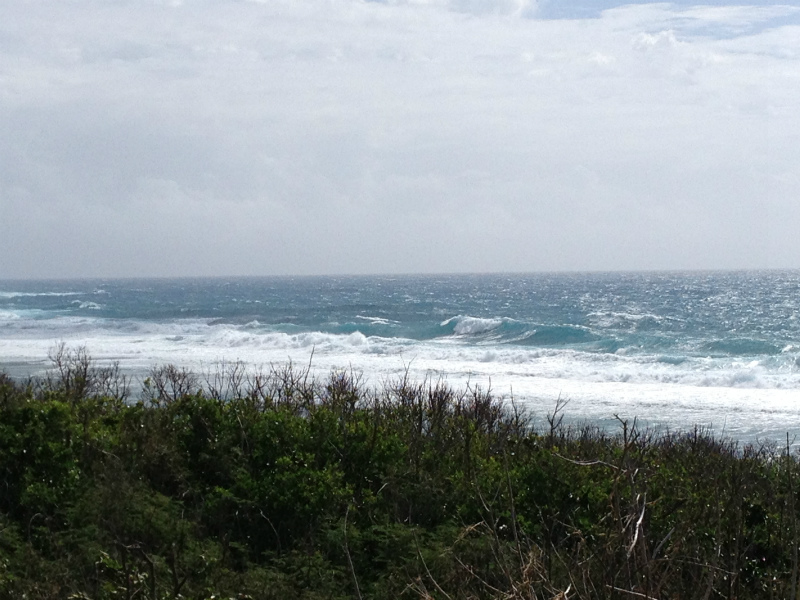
(277, 484)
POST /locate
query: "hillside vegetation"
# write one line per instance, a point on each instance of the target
(280, 485)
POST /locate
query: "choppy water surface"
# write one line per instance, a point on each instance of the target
(675, 349)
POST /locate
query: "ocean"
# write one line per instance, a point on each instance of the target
(720, 350)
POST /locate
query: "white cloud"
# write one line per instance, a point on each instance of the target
(333, 136)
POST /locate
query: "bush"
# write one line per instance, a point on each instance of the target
(279, 485)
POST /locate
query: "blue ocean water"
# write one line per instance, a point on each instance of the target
(718, 349)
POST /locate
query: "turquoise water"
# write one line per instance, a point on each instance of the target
(717, 349)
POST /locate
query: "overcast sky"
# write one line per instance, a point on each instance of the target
(221, 137)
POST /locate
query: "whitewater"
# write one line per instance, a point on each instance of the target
(716, 349)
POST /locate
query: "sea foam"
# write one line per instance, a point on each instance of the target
(671, 348)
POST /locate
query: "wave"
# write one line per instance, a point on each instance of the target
(559, 336)
(87, 305)
(504, 349)
(227, 338)
(615, 345)
(38, 294)
(142, 345)
(466, 325)
(634, 321)
(8, 315)
(742, 347)
(377, 320)
(672, 360)
(511, 331)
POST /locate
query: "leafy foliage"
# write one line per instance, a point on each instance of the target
(276, 485)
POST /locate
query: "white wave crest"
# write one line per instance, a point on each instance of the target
(600, 383)
(37, 294)
(465, 325)
(612, 319)
(90, 306)
(376, 320)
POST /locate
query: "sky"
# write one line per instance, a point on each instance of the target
(294, 137)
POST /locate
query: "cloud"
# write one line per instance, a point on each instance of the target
(220, 137)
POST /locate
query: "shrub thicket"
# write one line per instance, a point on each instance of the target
(278, 485)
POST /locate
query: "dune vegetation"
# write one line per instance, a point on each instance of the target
(277, 484)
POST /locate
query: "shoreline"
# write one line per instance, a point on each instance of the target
(744, 414)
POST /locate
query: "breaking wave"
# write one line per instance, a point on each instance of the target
(39, 294)
(660, 342)
(741, 347)
(465, 325)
